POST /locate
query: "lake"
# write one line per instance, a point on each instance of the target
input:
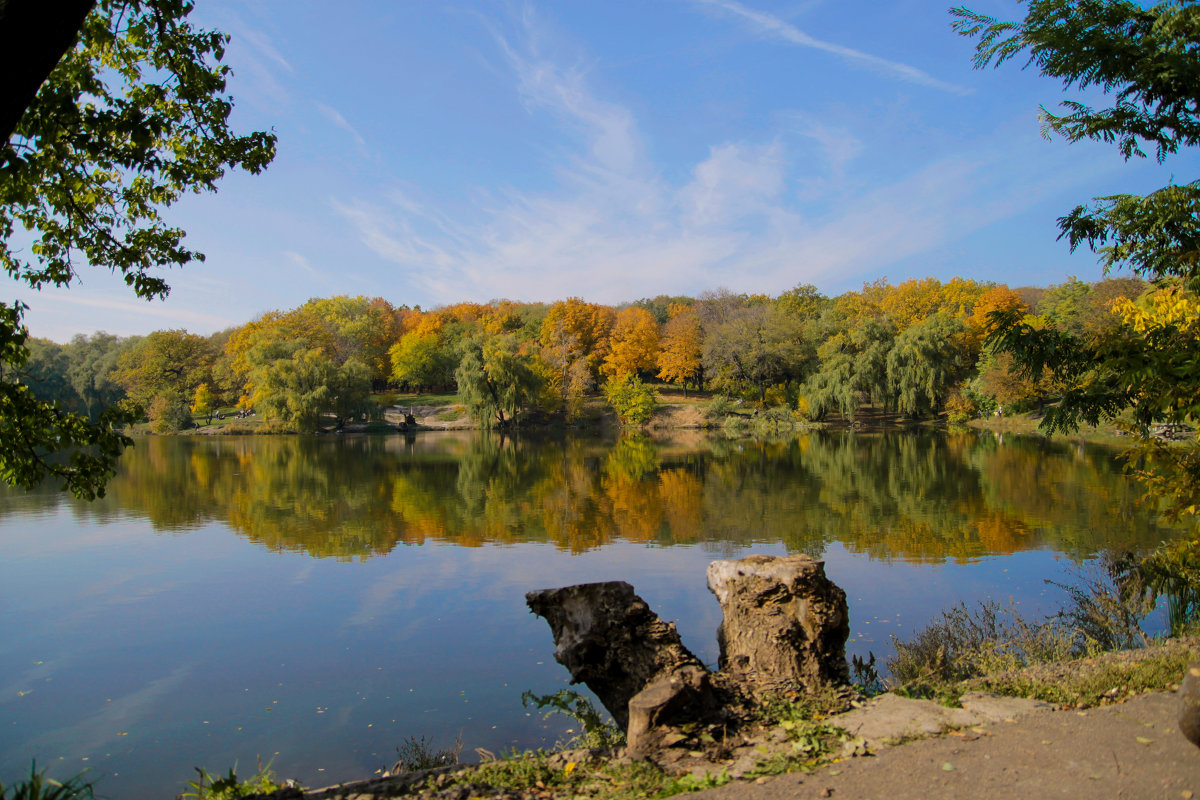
(315, 601)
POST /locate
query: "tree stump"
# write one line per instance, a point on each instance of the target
(785, 623)
(608, 638)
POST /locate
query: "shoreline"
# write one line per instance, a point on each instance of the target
(888, 726)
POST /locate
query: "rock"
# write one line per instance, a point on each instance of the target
(784, 623)
(890, 718)
(608, 638)
(1189, 705)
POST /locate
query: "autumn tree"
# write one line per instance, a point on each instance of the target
(363, 328)
(427, 355)
(578, 330)
(204, 403)
(574, 340)
(633, 346)
(802, 300)
(131, 117)
(680, 357)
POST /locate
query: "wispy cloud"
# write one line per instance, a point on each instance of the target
(333, 115)
(59, 314)
(304, 264)
(772, 26)
(614, 228)
(261, 64)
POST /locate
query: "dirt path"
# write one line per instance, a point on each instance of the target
(1131, 750)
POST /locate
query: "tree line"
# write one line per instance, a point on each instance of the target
(917, 348)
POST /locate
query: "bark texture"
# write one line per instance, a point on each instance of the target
(785, 623)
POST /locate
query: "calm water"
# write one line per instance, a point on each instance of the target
(314, 601)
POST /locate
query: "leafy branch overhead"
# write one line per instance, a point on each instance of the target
(1147, 59)
(132, 117)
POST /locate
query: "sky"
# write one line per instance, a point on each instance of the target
(436, 151)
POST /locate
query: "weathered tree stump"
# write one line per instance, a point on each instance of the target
(785, 623)
(608, 638)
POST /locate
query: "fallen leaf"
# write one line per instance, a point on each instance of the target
(1144, 740)
(947, 767)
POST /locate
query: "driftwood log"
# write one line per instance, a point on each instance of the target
(785, 627)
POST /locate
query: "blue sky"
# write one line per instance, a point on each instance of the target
(431, 152)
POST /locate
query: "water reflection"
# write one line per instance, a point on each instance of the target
(917, 497)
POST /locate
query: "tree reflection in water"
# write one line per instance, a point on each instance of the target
(921, 497)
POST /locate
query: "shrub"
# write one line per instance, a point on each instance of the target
(212, 787)
(418, 753)
(960, 407)
(720, 406)
(966, 644)
(1109, 601)
(633, 400)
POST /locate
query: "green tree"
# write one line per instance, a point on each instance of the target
(131, 117)
(926, 361)
(165, 364)
(852, 366)
(91, 362)
(296, 385)
(422, 361)
(495, 382)
(169, 414)
(758, 346)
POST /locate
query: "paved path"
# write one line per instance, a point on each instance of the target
(1132, 750)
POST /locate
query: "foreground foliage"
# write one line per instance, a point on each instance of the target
(210, 786)
(38, 787)
(131, 118)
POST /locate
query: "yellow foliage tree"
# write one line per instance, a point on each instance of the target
(634, 343)
(680, 357)
(581, 329)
